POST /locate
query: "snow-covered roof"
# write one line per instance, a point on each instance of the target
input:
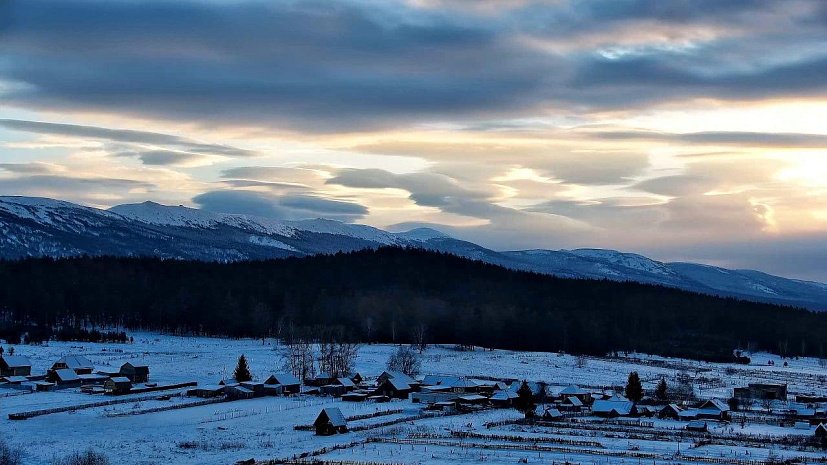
(75, 362)
(607, 406)
(574, 401)
(573, 391)
(347, 382)
(504, 395)
(398, 375)
(715, 404)
(120, 380)
(285, 379)
(16, 361)
(334, 416)
(66, 374)
(552, 412)
(399, 385)
(472, 398)
(16, 379)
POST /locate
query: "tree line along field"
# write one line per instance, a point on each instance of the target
(157, 431)
(395, 295)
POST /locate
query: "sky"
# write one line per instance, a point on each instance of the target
(682, 130)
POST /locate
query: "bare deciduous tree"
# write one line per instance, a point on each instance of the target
(405, 360)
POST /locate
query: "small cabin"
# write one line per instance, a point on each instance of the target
(330, 421)
(77, 363)
(206, 392)
(289, 383)
(394, 388)
(671, 411)
(698, 426)
(117, 385)
(15, 365)
(137, 373)
(64, 378)
(237, 391)
(614, 408)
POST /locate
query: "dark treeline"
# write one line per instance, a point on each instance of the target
(400, 295)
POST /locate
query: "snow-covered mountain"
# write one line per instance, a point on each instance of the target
(44, 227)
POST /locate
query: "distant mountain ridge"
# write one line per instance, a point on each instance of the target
(35, 227)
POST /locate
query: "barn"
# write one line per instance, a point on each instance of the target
(137, 373)
(330, 421)
(117, 385)
(15, 365)
(290, 384)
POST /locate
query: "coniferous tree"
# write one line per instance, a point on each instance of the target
(242, 371)
(661, 390)
(525, 400)
(634, 390)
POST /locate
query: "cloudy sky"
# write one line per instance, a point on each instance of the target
(684, 130)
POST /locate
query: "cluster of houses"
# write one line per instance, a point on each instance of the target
(70, 371)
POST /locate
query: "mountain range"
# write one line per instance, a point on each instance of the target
(40, 227)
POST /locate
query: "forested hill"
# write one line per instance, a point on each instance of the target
(384, 295)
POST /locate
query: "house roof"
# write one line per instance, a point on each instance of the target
(283, 378)
(16, 361)
(553, 412)
(120, 380)
(76, 361)
(696, 424)
(606, 406)
(347, 382)
(241, 389)
(574, 401)
(573, 391)
(472, 398)
(66, 374)
(334, 417)
(16, 379)
(504, 395)
(399, 385)
(715, 404)
(398, 375)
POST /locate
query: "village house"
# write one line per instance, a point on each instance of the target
(354, 397)
(330, 421)
(570, 404)
(206, 392)
(671, 412)
(117, 385)
(77, 363)
(333, 390)
(237, 391)
(820, 435)
(64, 378)
(15, 365)
(433, 394)
(503, 398)
(289, 383)
(583, 395)
(713, 409)
(762, 391)
(613, 408)
(400, 377)
(394, 388)
(137, 373)
(698, 426)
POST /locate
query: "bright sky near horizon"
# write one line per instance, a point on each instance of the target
(684, 130)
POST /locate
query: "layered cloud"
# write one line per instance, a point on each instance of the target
(679, 129)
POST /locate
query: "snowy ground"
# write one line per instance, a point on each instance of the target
(263, 428)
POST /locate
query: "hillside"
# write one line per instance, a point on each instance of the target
(37, 227)
(383, 295)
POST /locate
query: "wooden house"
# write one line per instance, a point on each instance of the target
(137, 373)
(206, 392)
(330, 421)
(289, 383)
(698, 426)
(237, 391)
(671, 411)
(573, 391)
(77, 363)
(614, 408)
(64, 378)
(15, 365)
(394, 388)
(117, 385)
(762, 391)
(820, 435)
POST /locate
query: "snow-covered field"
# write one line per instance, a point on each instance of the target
(262, 428)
